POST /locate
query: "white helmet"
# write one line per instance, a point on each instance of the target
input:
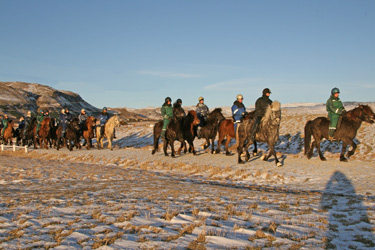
(239, 96)
(200, 98)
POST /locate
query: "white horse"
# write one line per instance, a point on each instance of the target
(108, 132)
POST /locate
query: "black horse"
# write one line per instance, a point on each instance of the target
(72, 135)
(210, 130)
(268, 132)
(346, 131)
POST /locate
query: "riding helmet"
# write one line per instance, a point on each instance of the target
(179, 101)
(239, 96)
(41, 111)
(168, 99)
(200, 98)
(266, 90)
(105, 108)
(334, 91)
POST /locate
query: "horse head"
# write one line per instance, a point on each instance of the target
(367, 114)
(273, 114)
(196, 120)
(216, 115)
(90, 122)
(74, 124)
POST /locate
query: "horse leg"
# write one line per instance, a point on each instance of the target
(255, 150)
(110, 143)
(311, 151)
(207, 144)
(165, 146)
(45, 143)
(343, 150)
(227, 153)
(240, 150)
(354, 146)
(317, 145)
(172, 147)
(246, 146)
(219, 141)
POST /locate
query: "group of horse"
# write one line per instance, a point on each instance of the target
(184, 129)
(50, 133)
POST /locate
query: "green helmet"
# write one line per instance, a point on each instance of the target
(334, 91)
(105, 108)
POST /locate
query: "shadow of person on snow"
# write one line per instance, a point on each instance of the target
(348, 224)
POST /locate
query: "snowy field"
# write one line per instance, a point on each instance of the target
(130, 199)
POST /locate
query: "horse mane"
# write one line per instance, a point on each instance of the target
(275, 106)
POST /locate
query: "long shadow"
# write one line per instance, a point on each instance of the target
(348, 224)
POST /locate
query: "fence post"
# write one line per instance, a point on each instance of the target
(14, 147)
(2, 147)
(26, 149)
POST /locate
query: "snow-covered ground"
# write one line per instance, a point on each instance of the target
(130, 199)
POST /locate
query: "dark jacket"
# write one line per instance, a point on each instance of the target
(103, 118)
(202, 110)
(238, 110)
(178, 109)
(261, 105)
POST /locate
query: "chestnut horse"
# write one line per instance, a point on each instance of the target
(346, 131)
(44, 132)
(8, 133)
(88, 131)
(210, 130)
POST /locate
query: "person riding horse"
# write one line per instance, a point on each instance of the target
(27, 124)
(82, 117)
(65, 118)
(335, 110)
(261, 106)
(5, 125)
(39, 119)
(238, 111)
(167, 114)
(202, 112)
(178, 104)
(103, 118)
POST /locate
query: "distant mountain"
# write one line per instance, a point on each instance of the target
(16, 98)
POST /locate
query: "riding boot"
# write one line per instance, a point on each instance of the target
(331, 134)
(162, 135)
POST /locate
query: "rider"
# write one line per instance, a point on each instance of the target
(167, 114)
(27, 124)
(103, 118)
(335, 109)
(5, 125)
(238, 111)
(46, 113)
(65, 118)
(261, 106)
(82, 117)
(39, 119)
(202, 112)
(178, 104)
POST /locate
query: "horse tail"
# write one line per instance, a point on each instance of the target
(308, 134)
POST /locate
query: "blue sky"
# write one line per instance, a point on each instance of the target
(135, 53)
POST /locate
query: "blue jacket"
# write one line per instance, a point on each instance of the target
(103, 118)
(238, 110)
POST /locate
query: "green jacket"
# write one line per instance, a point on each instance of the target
(334, 106)
(5, 123)
(39, 118)
(167, 111)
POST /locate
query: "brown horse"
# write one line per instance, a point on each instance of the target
(72, 135)
(8, 133)
(44, 132)
(346, 131)
(88, 131)
(226, 130)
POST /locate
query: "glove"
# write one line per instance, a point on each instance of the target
(343, 112)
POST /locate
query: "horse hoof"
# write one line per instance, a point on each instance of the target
(323, 159)
(255, 154)
(263, 157)
(153, 152)
(228, 154)
(343, 159)
(279, 164)
(241, 162)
